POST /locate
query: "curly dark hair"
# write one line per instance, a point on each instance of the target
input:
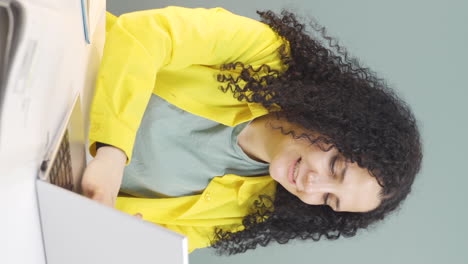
(350, 108)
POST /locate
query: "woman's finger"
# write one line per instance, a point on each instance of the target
(138, 215)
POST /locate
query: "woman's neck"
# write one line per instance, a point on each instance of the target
(254, 138)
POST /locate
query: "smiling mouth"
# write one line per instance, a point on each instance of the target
(296, 170)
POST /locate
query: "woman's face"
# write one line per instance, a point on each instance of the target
(320, 177)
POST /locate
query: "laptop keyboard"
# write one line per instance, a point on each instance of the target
(61, 171)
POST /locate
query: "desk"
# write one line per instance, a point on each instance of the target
(51, 66)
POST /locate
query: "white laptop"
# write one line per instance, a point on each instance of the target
(79, 230)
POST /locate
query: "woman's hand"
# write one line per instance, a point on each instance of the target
(103, 175)
(138, 215)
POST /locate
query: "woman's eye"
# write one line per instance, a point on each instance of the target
(332, 164)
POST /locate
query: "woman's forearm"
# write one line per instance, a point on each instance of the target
(111, 153)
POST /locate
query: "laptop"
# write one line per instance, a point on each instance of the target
(79, 230)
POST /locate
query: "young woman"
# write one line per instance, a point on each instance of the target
(236, 132)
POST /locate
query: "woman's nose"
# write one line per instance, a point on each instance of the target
(315, 181)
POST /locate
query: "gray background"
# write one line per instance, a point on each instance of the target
(420, 47)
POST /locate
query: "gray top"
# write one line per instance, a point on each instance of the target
(177, 153)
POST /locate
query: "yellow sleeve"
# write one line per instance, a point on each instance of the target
(138, 45)
(198, 237)
(201, 236)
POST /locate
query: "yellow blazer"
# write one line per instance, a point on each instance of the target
(176, 54)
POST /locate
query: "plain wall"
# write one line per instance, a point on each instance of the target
(420, 48)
